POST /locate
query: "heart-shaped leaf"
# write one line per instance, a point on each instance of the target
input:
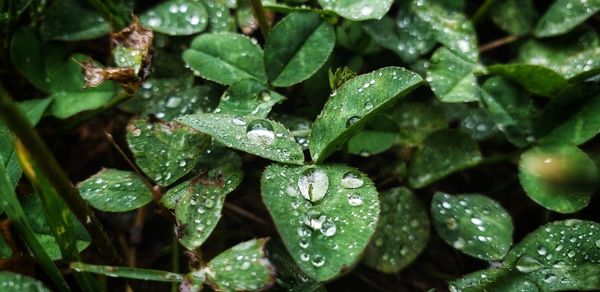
(72, 20)
(13, 282)
(113, 190)
(473, 224)
(248, 97)
(176, 17)
(226, 58)
(442, 153)
(165, 151)
(516, 17)
(564, 15)
(356, 102)
(402, 232)
(254, 135)
(325, 214)
(297, 47)
(560, 178)
(452, 78)
(536, 79)
(358, 9)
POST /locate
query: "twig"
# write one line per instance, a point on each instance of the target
(261, 17)
(498, 43)
(18, 123)
(247, 214)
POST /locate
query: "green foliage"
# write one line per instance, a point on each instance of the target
(452, 78)
(176, 17)
(248, 97)
(113, 190)
(12, 282)
(73, 20)
(564, 15)
(357, 9)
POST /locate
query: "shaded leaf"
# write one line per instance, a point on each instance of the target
(219, 18)
(354, 103)
(536, 79)
(71, 20)
(516, 17)
(13, 282)
(371, 142)
(452, 78)
(358, 9)
(325, 214)
(248, 97)
(176, 17)
(564, 15)
(417, 120)
(112, 190)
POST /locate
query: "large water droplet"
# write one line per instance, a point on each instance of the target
(318, 260)
(328, 228)
(313, 184)
(526, 264)
(260, 132)
(352, 180)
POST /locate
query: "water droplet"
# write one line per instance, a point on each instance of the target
(318, 260)
(303, 242)
(355, 199)
(352, 120)
(526, 264)
(459, 243)
(260, 132)
(265, 95)
(542, 250)
(476, 221)
(245, 265)
(313, 184)
(239, 121)
(366, 11)
(328, 228)
(304, 257)
(352, 180)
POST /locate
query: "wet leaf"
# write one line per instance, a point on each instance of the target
(325, 214)
(176, 17)
(254, 135)
(564, 15)
(113, 190)
(560, 178)
(299, 127)
(402, 232)
(371, 142)
(443, 152)
(297, 47)
(13, 282)
(128, 272)
(219, 17)
(248, 97)
(165, 151)
(225, 58)
(417, 120)
(516, 17)
(474, 224)
(354, 103)
(452, 78)
(536, 79)
(493, 279)
(358, 9)
(71, 20)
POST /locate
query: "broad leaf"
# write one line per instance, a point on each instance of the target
(536, 79)
(165, 151)
(370, 142)
(358, 9)
(176, 17)
(560, 178)
(225, 58)
(254, 135)
(401, 234)
(354, 103)
(325, 214)
(113, 190)
(71, 20)
(473, 224)
(13, 282)
(248, 97)
(564, 15)
(493, 279)
(442, 153)
(452, 78)
(516, 17)
(297, 47)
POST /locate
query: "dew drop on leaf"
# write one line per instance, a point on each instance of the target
(260, 132)
(355, 199)
(352, 120)
(313, 184)
(352, 180)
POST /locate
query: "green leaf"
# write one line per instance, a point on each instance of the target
(5, 250)
(127, 272)
(67, 104)
(297, 47)
(248, 97)
(254, 135)
(452, 78)
(71, 20)
(443, 152)
(199, 201)
(493, 279)
(560, 178)
(299, 127)
(13, 282)
(165, 151)
(516, 17)
(176, 17)
(219, 17)
(510, 108)
(354, 103)
(402, 232)
(371, 142)
(325, 214)
(564, 15)
(243, 267)
(536, 79)
(473, 224)
(225, 58)
(358, 9)
(417, 120)
(113, 190)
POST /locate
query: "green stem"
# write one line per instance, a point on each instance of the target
(18, 123)
(482, 11)
(175, 262)
(499, 158)
(261, 17)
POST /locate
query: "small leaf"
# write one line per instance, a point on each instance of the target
(225, 58)
(244, 267)
(516, 17)
(358, 9)
(401, 234)
(564, 15)
(536, 79)
(176, 17)
(254, 135)
(127, 272)
(560, 178)
(473, 224)
(112, 190)
(13, 282)
(325, 214)
(442, 153)
(452, 78)
(297, 47)
(72, 20)
(165, 151)
(248, 97)
(340, 76)
(354, 103)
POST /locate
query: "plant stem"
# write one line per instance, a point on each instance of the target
(18, 123)
(498, 43)
(261, 17)
(175, 262)
(482, 11)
